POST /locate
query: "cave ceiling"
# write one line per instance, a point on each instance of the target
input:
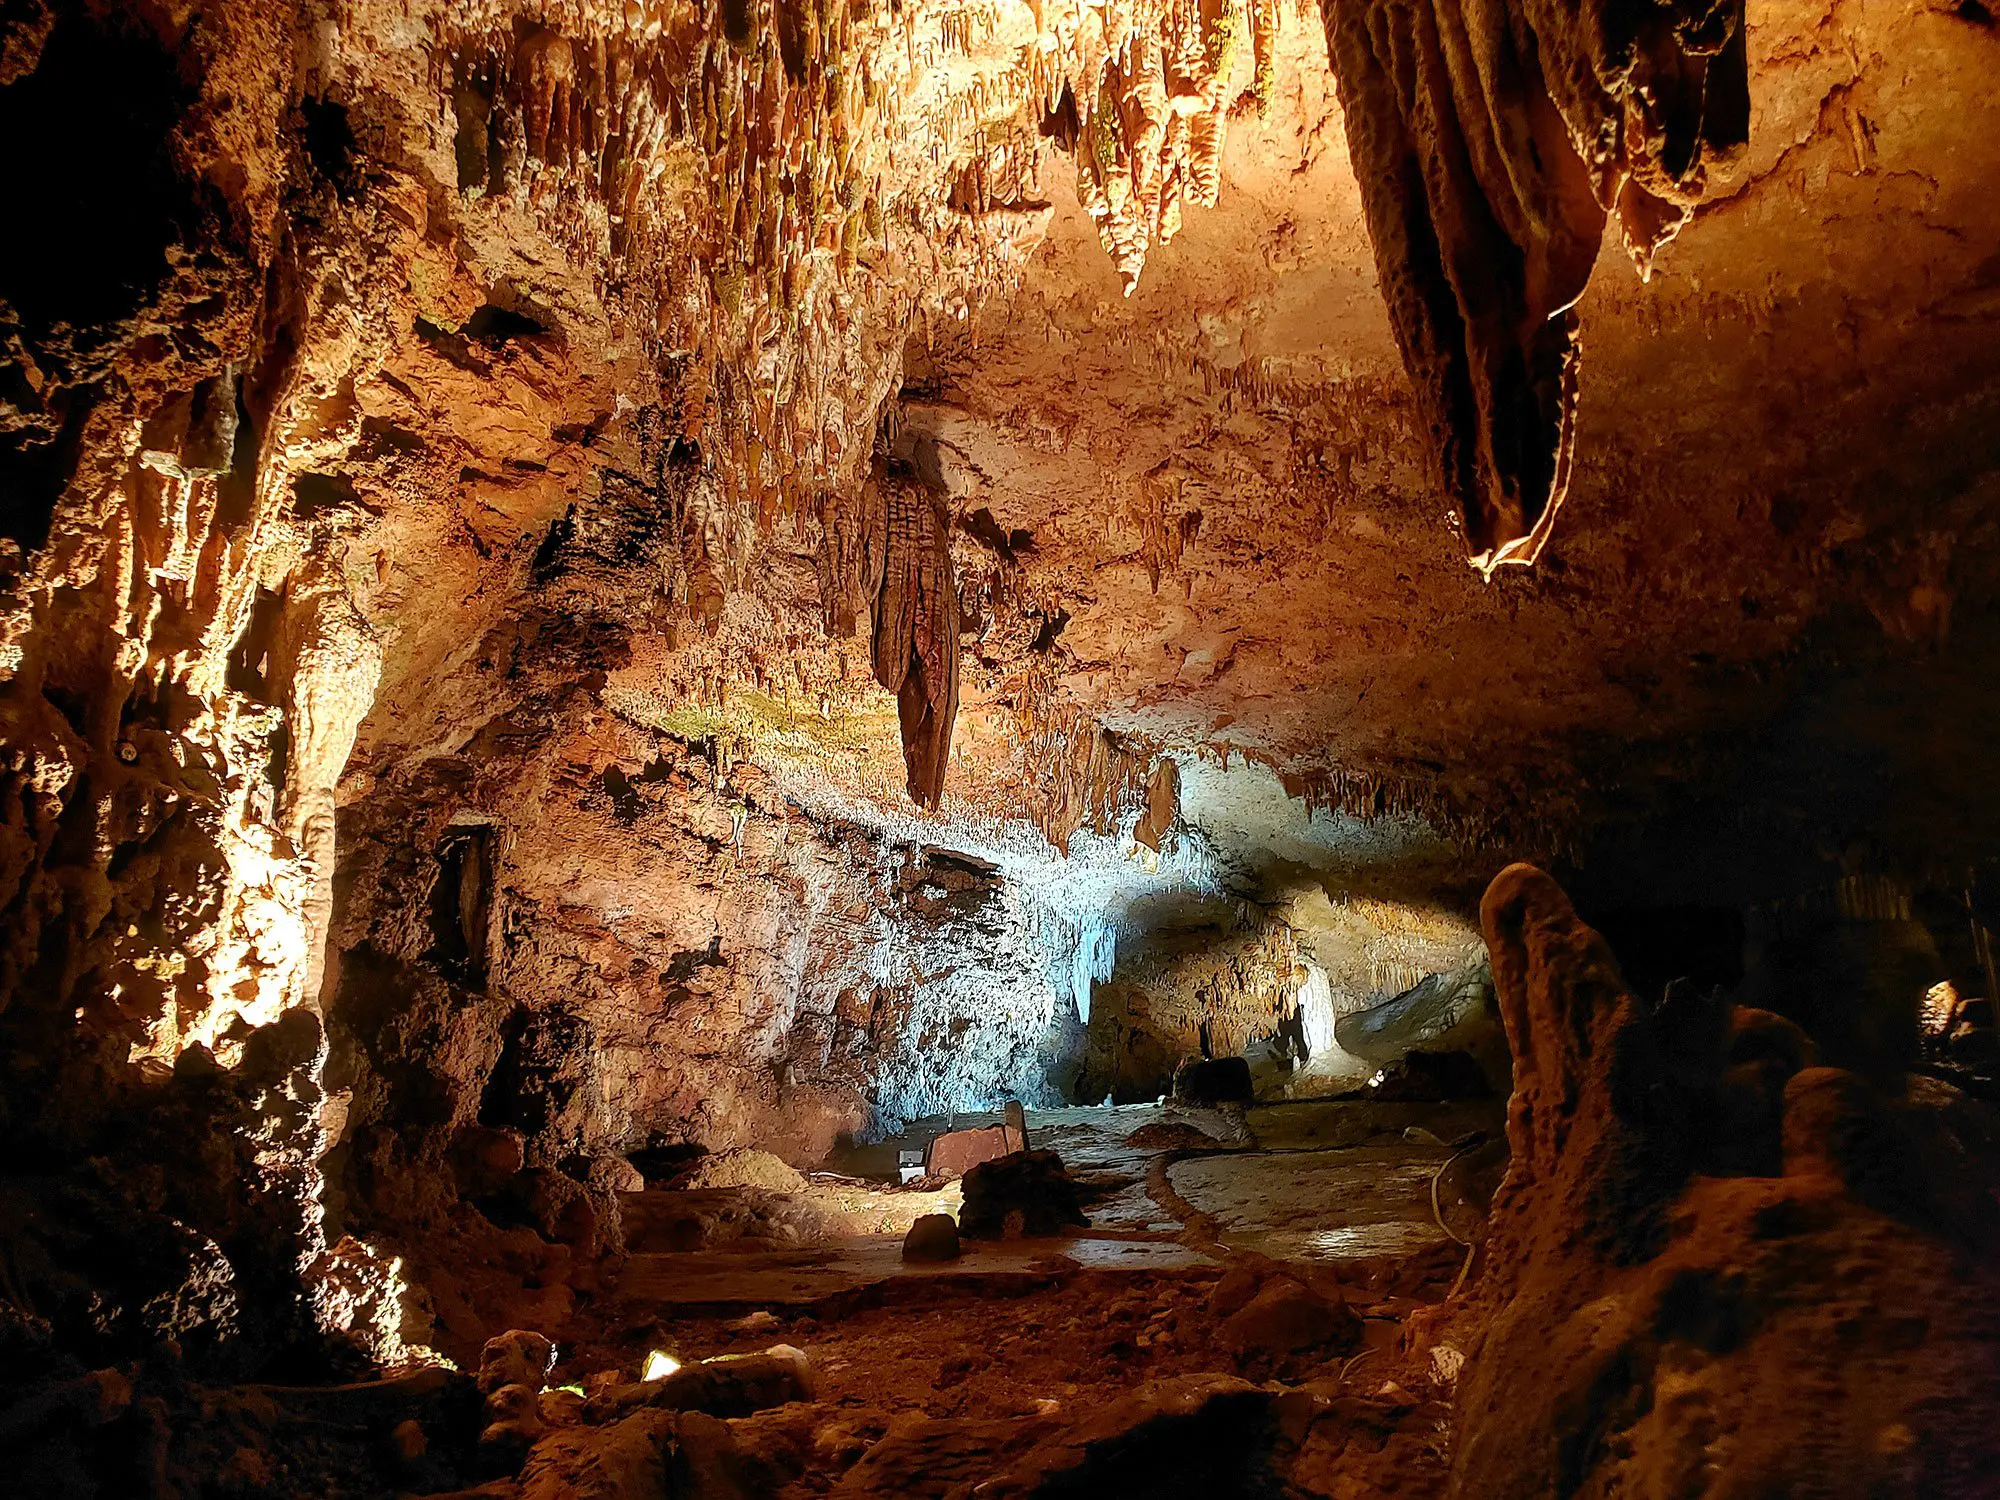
(687, 365)
(1190, 494)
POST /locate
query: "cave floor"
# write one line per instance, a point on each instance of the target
(1167, 1188)
(962, 1362)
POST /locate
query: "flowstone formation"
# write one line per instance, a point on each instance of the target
(1492, 141)
(916, 634)
(1713, 1266)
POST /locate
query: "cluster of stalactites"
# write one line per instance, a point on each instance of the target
(1147, 116)
(1081, 775)
(1486, 820)
(749, 166)
(1491, 140)
(716, 153)
(756, 112)
(1256, 982)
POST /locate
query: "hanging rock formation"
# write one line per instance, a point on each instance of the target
(916, 632)
(1491, 140)
(1146, 116)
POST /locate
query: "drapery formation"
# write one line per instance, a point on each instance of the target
(916, 632)
(1492, 138)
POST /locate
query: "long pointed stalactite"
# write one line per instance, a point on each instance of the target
(1492, 138)
(916, 632)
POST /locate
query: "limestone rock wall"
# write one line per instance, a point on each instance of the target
(179, 679)
(1712, 1261)
(325, 311)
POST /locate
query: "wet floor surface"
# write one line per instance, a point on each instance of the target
(1318, 1205)
(1311, 1181)
(1018, 1338)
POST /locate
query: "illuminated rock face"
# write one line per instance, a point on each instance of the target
(606, 547)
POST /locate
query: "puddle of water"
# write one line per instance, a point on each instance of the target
(1349, 1242)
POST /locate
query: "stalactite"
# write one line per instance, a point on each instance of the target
(1491, 142)
(1163, 804)
(1079, 774)
(915, 645)
(1368, 794)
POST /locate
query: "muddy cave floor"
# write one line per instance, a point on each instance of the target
(928, 1372)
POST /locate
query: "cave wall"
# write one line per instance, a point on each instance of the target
(325, 309)
(181, 678)
(1196, 990)
(1266, 971)
(748, 971)
(412, 415)
(602, 942)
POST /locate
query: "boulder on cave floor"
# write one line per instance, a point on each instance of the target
(624, 1460)
(729, 1385)
(516, 1357)
(1173, 1135)
(1213, 1080)
(1206, 1434)
(486, 1158)
(1026, 1195)
(933, 1238)
(935, 1456)
(1286, 1318)
(648, 1455)
(665, 1220)
(741, 1167)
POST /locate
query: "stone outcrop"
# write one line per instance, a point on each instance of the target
(1285, 1318)
(1655, 1315)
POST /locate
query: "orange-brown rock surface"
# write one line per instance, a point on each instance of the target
(586, 582)
(1491, 142)
(1713, 1268)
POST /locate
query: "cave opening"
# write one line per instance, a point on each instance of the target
(462, 903)
(767, 751)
